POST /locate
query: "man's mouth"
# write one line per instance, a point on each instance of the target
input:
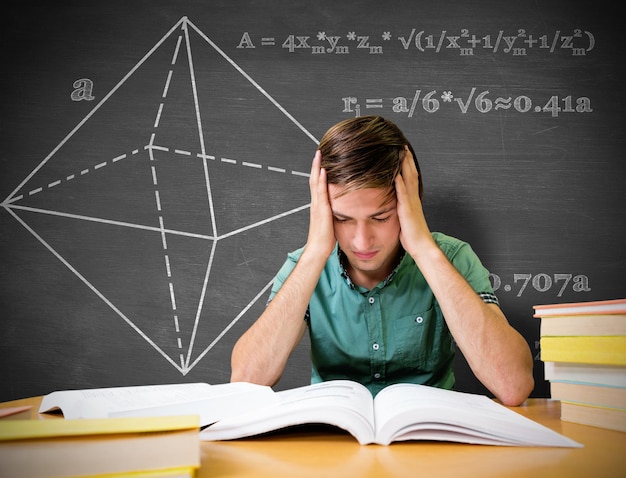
(364, 256)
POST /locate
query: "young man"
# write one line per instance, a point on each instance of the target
(384, 299)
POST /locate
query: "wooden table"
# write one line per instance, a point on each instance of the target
(325, 452)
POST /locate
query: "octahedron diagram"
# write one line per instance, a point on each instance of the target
(166, 193)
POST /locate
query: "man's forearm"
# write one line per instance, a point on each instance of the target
(260, 355)
(496, 352)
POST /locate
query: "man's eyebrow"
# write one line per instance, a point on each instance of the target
(376, 214)
(383, 211)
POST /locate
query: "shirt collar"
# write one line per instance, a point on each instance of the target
(342, 259)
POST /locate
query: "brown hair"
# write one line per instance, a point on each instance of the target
(365, 152)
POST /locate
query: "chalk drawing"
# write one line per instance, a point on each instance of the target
(148, 190)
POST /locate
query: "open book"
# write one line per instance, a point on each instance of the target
(399, 412)
(209, 402)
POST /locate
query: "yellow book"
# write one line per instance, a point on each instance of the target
(60, 448)
(608, 350)
(181, 472)
(22, 429)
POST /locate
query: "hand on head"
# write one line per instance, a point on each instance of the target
(413, 226)
(321, 231)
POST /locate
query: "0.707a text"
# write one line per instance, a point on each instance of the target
(543, 283)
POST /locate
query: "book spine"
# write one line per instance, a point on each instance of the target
(616, 306)
(586, 394)
(605, 350)
(602, 375)
(603, 417)
(583, 325)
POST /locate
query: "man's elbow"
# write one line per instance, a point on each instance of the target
(246, 371)
(515, 393)
(241, 371)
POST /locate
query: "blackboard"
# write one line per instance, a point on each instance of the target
(155, 158)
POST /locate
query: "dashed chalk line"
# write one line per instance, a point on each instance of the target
(180, 152)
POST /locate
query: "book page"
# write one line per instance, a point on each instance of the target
(100, 402)
(210, 402)
(344, 404)
(419, 412)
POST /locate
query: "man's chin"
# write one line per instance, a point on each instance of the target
(369, 265)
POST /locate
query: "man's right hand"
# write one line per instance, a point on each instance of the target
(321, 239)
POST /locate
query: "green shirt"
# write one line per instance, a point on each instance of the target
(392, 333)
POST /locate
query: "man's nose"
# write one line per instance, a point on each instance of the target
(362, 237)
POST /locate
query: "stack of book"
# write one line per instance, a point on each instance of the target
(143, 431)
(145, 447)
(583, 347)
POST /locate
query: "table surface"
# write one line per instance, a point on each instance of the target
(324, 451)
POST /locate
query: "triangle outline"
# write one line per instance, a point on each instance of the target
(12, 201)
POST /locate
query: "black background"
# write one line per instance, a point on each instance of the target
(536, 194)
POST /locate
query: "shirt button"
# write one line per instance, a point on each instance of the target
(375, 346)
(419, 319)
(371, 300)
(376, 375)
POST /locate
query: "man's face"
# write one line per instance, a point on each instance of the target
(368, 231)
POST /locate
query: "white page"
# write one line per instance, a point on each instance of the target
(344, 404)
(73, 403)
(210, 402)
(398, 406)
